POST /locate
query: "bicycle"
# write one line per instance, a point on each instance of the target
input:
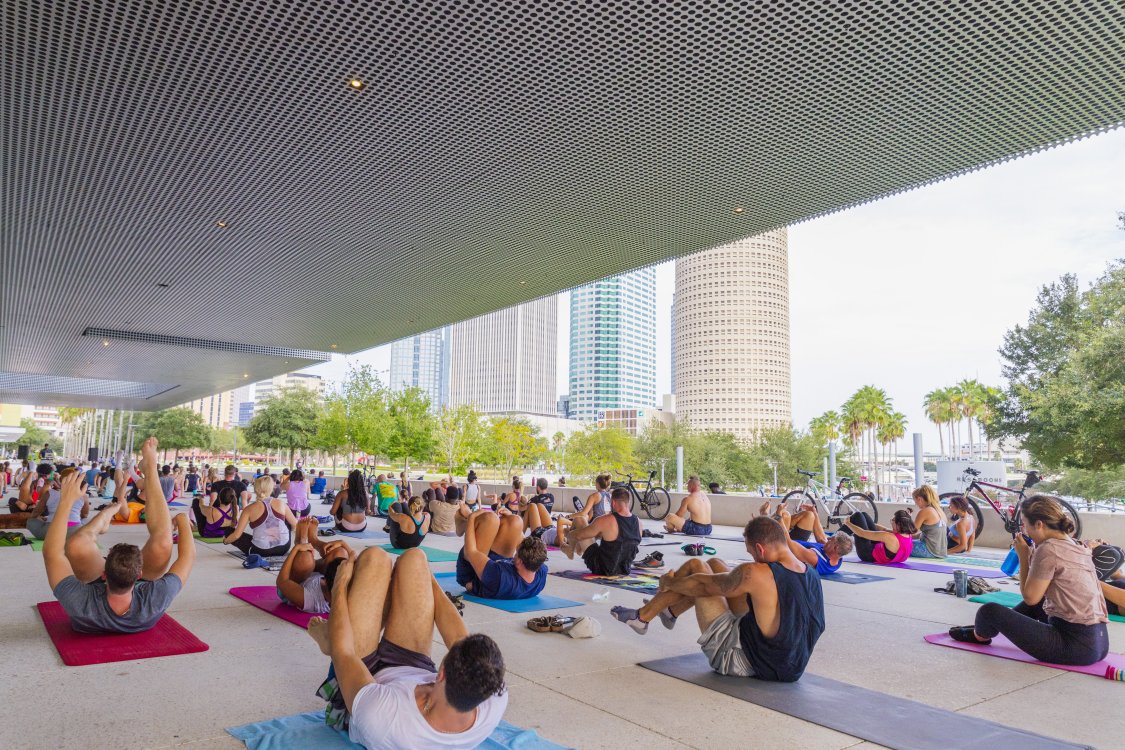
(655, 499)
(817, 493)
(1010, 516)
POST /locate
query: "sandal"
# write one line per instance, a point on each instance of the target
(967, 634)
(541, 624)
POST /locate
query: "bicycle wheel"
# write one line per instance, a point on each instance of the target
(972, 506)
(657, 503)
(795, 499)
(853, 502)
(1068, 510)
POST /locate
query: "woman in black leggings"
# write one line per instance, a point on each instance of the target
(1062, 618)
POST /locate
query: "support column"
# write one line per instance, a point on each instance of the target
(919, 463)
(679, 468)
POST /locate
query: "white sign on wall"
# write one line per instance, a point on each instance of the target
(950, 474)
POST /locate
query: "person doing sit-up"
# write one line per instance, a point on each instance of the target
(408, 525)
(269, 519)
(931, 524)
(383, 687)
(305, 580)
(802, 525)
(1062, 618)
(129, 589)
(217, 520)
(497, 562)
(693, 517)
(761, 619)
(827, 556)
(46, 506)
(609, 543)
(878, 544)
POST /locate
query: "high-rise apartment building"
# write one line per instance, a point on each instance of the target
(420, 362)
(613, 345)
(731, 336)
(215, 409)
(264, 389)
(506, 362)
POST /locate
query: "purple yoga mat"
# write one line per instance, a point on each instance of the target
(1005, 649)
(929, 567)
(265, 599)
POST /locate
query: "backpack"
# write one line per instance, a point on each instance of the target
(13, 539)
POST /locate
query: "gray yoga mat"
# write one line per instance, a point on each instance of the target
(876, 717)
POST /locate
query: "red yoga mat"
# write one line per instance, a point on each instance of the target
(1005, 649)
(166, 638)
(265, 599)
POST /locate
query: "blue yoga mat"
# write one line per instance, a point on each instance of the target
(846, 576)
(302, 731)
(367, 533)
(448, 582)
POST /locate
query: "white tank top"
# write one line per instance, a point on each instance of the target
(472, 492)
(272, 531)
(53, 503)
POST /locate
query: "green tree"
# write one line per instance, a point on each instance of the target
(175, 429)
(332, 434)
(34, 437)
(287, 421)
(937, 404)
(366, 402)
(1065, 398)
(459, 432)
(597, 450)
(514, 442)
(410, 426)
(791, 450)
(827, 427)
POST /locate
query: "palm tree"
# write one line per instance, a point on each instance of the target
(827, 427)
(891, 431)
(936, 403)
(851, 421)
(986, 414)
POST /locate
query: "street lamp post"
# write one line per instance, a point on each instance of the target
(773, 465)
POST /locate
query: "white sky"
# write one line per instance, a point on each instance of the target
(915, 292)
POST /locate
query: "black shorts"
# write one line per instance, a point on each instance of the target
(388, 654)
(799, 535)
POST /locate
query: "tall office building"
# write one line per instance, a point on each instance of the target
(419, 362)
(731, 336)
(265, 389)
(613, 345)
(505, 362)
(215, 409)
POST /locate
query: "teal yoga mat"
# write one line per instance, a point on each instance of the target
(448, 582)
(433, 555)
(1011, 599)
(302, 731)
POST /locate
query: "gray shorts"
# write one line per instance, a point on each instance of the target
(723, 646)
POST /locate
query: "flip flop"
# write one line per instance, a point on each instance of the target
(541, 624)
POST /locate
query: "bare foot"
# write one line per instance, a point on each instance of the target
(764, 510)
(318, 629)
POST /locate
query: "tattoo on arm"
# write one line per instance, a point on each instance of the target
(730, 583)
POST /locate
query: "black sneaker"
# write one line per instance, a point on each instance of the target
(458, 602)
(651, 534)
(653, 560)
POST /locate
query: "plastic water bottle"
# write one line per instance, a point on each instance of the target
(1011, 564)
(603, 596)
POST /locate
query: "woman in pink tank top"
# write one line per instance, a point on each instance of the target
(878, 544)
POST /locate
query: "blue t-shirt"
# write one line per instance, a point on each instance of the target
(318, 485)
(91, 476)
(823, 567)
(501, 580)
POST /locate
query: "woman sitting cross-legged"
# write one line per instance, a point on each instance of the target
(1062, 618)
(218, 520)
(962, 526)
(878, 544)
(350, 504)
(931, 523)
(408, 525)
(269, 519)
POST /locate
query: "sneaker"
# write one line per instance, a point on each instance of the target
(667, 619)
(651, 534)
(653, 560)
(630, 617)
(458, 601)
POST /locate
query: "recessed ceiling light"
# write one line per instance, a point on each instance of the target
(105, 342)
(739, 209)
(245, 374)
(523, 282)
(221, 224)
(357, 84)
(333, 346)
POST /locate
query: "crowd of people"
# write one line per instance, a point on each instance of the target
(757, 619)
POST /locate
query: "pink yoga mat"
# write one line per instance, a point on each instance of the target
(166, 638)
(265, 599)
(1004, 648)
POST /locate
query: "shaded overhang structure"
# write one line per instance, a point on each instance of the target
(196, 195)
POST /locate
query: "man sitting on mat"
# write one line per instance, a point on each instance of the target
(694, 514)
(305, 580)
(497, 562)
(129, 589)
(802, 525)
(609, 543)
(761, 619)
(383, 686)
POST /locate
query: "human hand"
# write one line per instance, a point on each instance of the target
(764, 508)
(1021, 545)
(71, 488)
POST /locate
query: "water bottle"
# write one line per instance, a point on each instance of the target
(961, 583)
(1011, 564)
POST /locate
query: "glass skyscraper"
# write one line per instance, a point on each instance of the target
(420, 362)
(613, 345)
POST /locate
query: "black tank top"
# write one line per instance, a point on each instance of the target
(801, 601)
(400, 539)
(615, 558)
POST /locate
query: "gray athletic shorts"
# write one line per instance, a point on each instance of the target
(723, 646)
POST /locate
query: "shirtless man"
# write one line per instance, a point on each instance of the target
(305, 579)
(773, 641)
(802, 525)
(609, 543)
(384, 688)
(129, 589)
(694, 514)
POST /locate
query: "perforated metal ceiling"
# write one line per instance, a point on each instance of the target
(549, 143)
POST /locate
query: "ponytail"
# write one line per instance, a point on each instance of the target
(1048, 510)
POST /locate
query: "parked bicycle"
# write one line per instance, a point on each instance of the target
(1009, 516)
(654, 499)
(820, 496)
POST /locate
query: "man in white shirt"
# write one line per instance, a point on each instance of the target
(395, 697)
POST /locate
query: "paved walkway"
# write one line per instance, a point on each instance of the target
(581, 693)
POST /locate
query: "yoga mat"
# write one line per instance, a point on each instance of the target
(433, 555)
(713, 536)
(886, 720)
(846, 576)
(166, 638)
(641, 582)
(448, 582)
(265, 598)
(984, 562)
(365, 534)
(1011, 599)
(1005, 649)
(659, 544)
(302, 731)
(929, 567)
(207, 540)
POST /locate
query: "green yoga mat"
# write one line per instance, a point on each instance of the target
(37, 545)
(206, 540)
(979, 562)
(1011, 599)
(433, 555)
